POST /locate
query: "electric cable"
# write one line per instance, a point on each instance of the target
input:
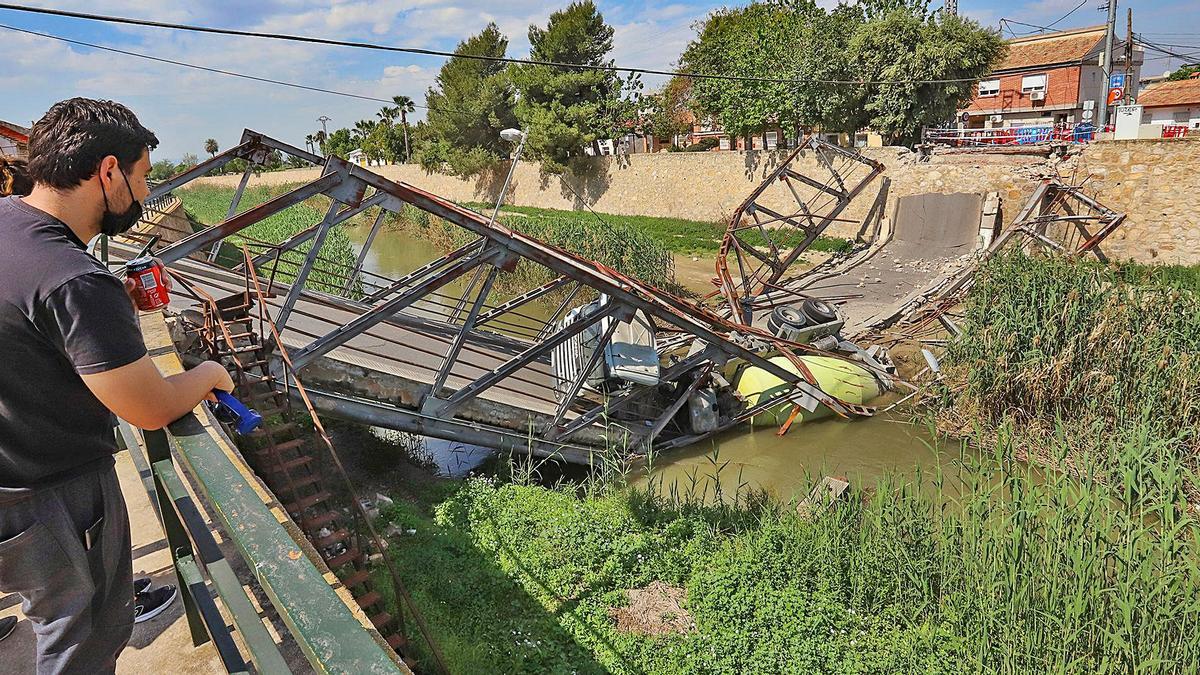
(609, 67)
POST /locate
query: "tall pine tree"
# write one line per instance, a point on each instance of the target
(565, 110)
(469, 105)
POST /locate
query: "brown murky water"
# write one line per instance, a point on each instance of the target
(785, 466)
(861, 450)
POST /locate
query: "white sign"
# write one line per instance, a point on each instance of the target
(1127, 120)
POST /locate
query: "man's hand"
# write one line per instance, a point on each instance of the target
(131, 284)
(225, 384)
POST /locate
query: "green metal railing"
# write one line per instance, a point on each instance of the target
(329, 634)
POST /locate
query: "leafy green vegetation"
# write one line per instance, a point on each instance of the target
(209, 204)
(885, 43)
(1097, 349)
(676, 234)
(621, 246)
(995, 568)
(470, 103)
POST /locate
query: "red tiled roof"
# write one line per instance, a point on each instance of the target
(14, 131)
(1179, 92)
(1051, 48)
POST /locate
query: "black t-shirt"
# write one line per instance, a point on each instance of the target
(62, 315)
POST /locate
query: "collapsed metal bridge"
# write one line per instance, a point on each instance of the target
(440, 352)
(589, 362)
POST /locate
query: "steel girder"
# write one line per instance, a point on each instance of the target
(756, 251)
(501, 248)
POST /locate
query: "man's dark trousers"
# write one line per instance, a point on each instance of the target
(77, 598)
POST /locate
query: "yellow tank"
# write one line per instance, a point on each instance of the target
(840, 379)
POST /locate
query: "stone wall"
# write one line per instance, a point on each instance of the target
(1155, 182)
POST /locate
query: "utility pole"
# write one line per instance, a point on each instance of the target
(1129, 56)
(1106, 68)
(323, 119)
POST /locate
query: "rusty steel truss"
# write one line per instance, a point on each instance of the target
(492, 348)
(788, 211)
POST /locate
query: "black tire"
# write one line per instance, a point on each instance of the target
(784, 321)
(818, 311)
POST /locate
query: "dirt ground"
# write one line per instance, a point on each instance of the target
(696, 273)
(654, 610)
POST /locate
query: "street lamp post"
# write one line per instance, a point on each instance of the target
(512, 136)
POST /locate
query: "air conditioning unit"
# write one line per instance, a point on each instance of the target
(997, 118)
(1037, 96)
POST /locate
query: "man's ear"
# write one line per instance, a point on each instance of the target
(109, 166)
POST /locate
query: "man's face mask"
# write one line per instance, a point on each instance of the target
(113, 224)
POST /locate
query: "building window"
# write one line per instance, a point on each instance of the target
(989, 87)
(1032, 83)
(1181, 117)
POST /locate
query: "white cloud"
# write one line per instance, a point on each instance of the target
(186, 106)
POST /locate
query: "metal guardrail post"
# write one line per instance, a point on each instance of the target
(185, 527)
(159, 449)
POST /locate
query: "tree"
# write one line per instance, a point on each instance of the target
(565, 110)
(760, 40)
(1184, 72)
(404, 105)
(161, 170)
(320, 138)
(211, 147)
(338, 144)
(470, 103)
(668, 111)
(901, 47)
(849, 68)
(187, 161)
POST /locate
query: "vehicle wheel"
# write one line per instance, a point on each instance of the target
(818, 311)
(784, 321)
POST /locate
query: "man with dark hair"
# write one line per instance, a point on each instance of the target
(74, 357)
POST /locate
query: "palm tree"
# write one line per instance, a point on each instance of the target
(404, 105)
(211, 147)
(319, 137)
(387, 114)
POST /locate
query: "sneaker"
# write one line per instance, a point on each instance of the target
(141, 585)
(150, 604)
(7, 625)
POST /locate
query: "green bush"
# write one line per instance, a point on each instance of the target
(997, 568)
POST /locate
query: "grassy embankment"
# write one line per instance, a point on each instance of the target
(689, 237)
(1000, 567)
(209, 204)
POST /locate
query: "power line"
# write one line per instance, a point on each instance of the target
(443, 54)
(197, 67)
(1162, 50)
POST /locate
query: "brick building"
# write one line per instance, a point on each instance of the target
(14, 139)
(1048, 79)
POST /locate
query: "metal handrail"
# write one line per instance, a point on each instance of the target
(327, 631)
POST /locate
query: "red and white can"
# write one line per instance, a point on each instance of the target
(149, 289)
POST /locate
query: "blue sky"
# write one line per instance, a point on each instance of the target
(185, 106)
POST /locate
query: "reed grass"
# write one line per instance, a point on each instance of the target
(209, 205)
(1094, 349)
(621, 247)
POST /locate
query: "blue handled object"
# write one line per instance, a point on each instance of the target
(243, 419)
